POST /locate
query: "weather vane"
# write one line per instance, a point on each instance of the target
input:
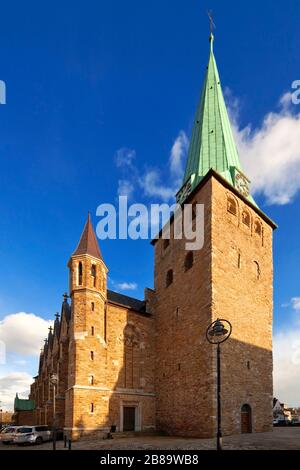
(211, 21)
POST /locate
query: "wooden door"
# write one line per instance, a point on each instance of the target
(246, 420)
(128, 418)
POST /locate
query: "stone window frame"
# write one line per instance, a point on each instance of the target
(246, 220)
(138, 413)
(257, 224)
(94, 273)
(231, 200)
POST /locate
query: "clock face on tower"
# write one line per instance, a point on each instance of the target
(241, 183)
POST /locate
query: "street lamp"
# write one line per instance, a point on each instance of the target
(54, 381)
(216, 333)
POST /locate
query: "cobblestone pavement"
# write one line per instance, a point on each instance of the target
(280, 438)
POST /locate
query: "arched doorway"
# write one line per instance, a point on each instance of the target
(246, 419)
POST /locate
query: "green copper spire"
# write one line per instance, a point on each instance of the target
(212, 144)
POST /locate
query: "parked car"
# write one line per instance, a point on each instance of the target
(33, 435)
(282, 422)
(8, 434)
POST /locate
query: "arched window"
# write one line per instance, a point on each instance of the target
(91, 379)
(256, 269)
(132, 357)
(80, 273)
(231, 205)
(92, 331)
(246, 218)
(169, 277)
(257, 228)
(93, 273)
(189, 260)
(92, 306)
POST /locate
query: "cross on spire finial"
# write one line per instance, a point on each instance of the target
(211, 21)
(211, 27)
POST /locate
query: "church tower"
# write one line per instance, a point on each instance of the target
(87, 347)
(230, 277)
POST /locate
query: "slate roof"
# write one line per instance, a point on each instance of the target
(126, 301)
(88, 244)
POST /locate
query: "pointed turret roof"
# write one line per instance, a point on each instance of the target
(212, 144)
(41, 359)
(65, 311)
(56, 325)
(50, 338)
(88, 244)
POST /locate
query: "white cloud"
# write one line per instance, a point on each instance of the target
(122, 285)
(286, 355)
(127, 285)
(23, 333)
(286, 359)
(178, 154)
(124, 157)
(286, 100)
(295, 301)
(270, 154)
(12, 383)
(153, 182)
(125, 188)
(153, 186)
(233, 104)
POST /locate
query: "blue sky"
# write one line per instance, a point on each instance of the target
(86, 80)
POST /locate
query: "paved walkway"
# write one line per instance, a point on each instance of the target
(280, 438)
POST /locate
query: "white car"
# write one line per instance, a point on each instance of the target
(32, 435)
(8, 434)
